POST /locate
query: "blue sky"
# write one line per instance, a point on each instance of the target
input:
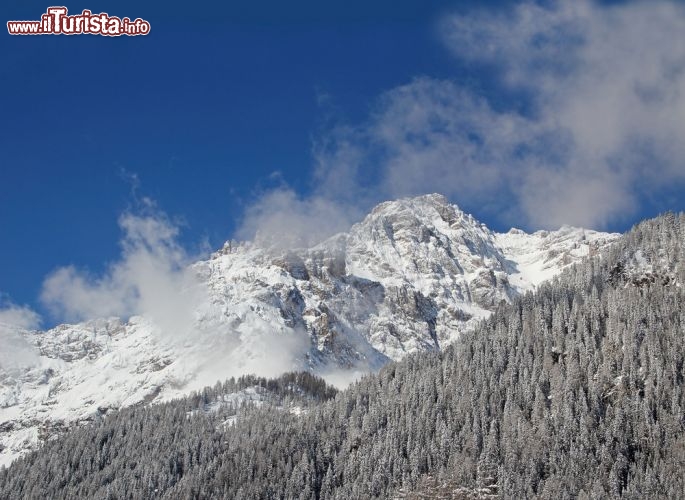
(230, 116)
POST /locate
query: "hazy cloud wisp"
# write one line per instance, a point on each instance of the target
(152, 278)
(608, 78)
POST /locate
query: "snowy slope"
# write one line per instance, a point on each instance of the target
(413, 275)
(541, 255)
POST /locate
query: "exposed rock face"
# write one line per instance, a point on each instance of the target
(413, 275)
(440, 268)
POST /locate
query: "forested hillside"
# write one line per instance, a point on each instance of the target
(574, 391)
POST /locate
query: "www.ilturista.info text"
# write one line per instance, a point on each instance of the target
(56, 21)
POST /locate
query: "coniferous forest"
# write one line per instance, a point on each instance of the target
(574, 391)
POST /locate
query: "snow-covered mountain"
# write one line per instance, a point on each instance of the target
(413, 275)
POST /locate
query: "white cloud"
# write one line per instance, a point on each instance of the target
(281, 219)
(16, 351)
(151, 278)
(610, 79)
(435, 136)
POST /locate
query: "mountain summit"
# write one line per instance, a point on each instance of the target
(412, 276)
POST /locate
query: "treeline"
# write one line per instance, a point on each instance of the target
(575, 391)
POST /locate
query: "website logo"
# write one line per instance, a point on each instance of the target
(57, 21)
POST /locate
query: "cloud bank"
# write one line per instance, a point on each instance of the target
(580, 122)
